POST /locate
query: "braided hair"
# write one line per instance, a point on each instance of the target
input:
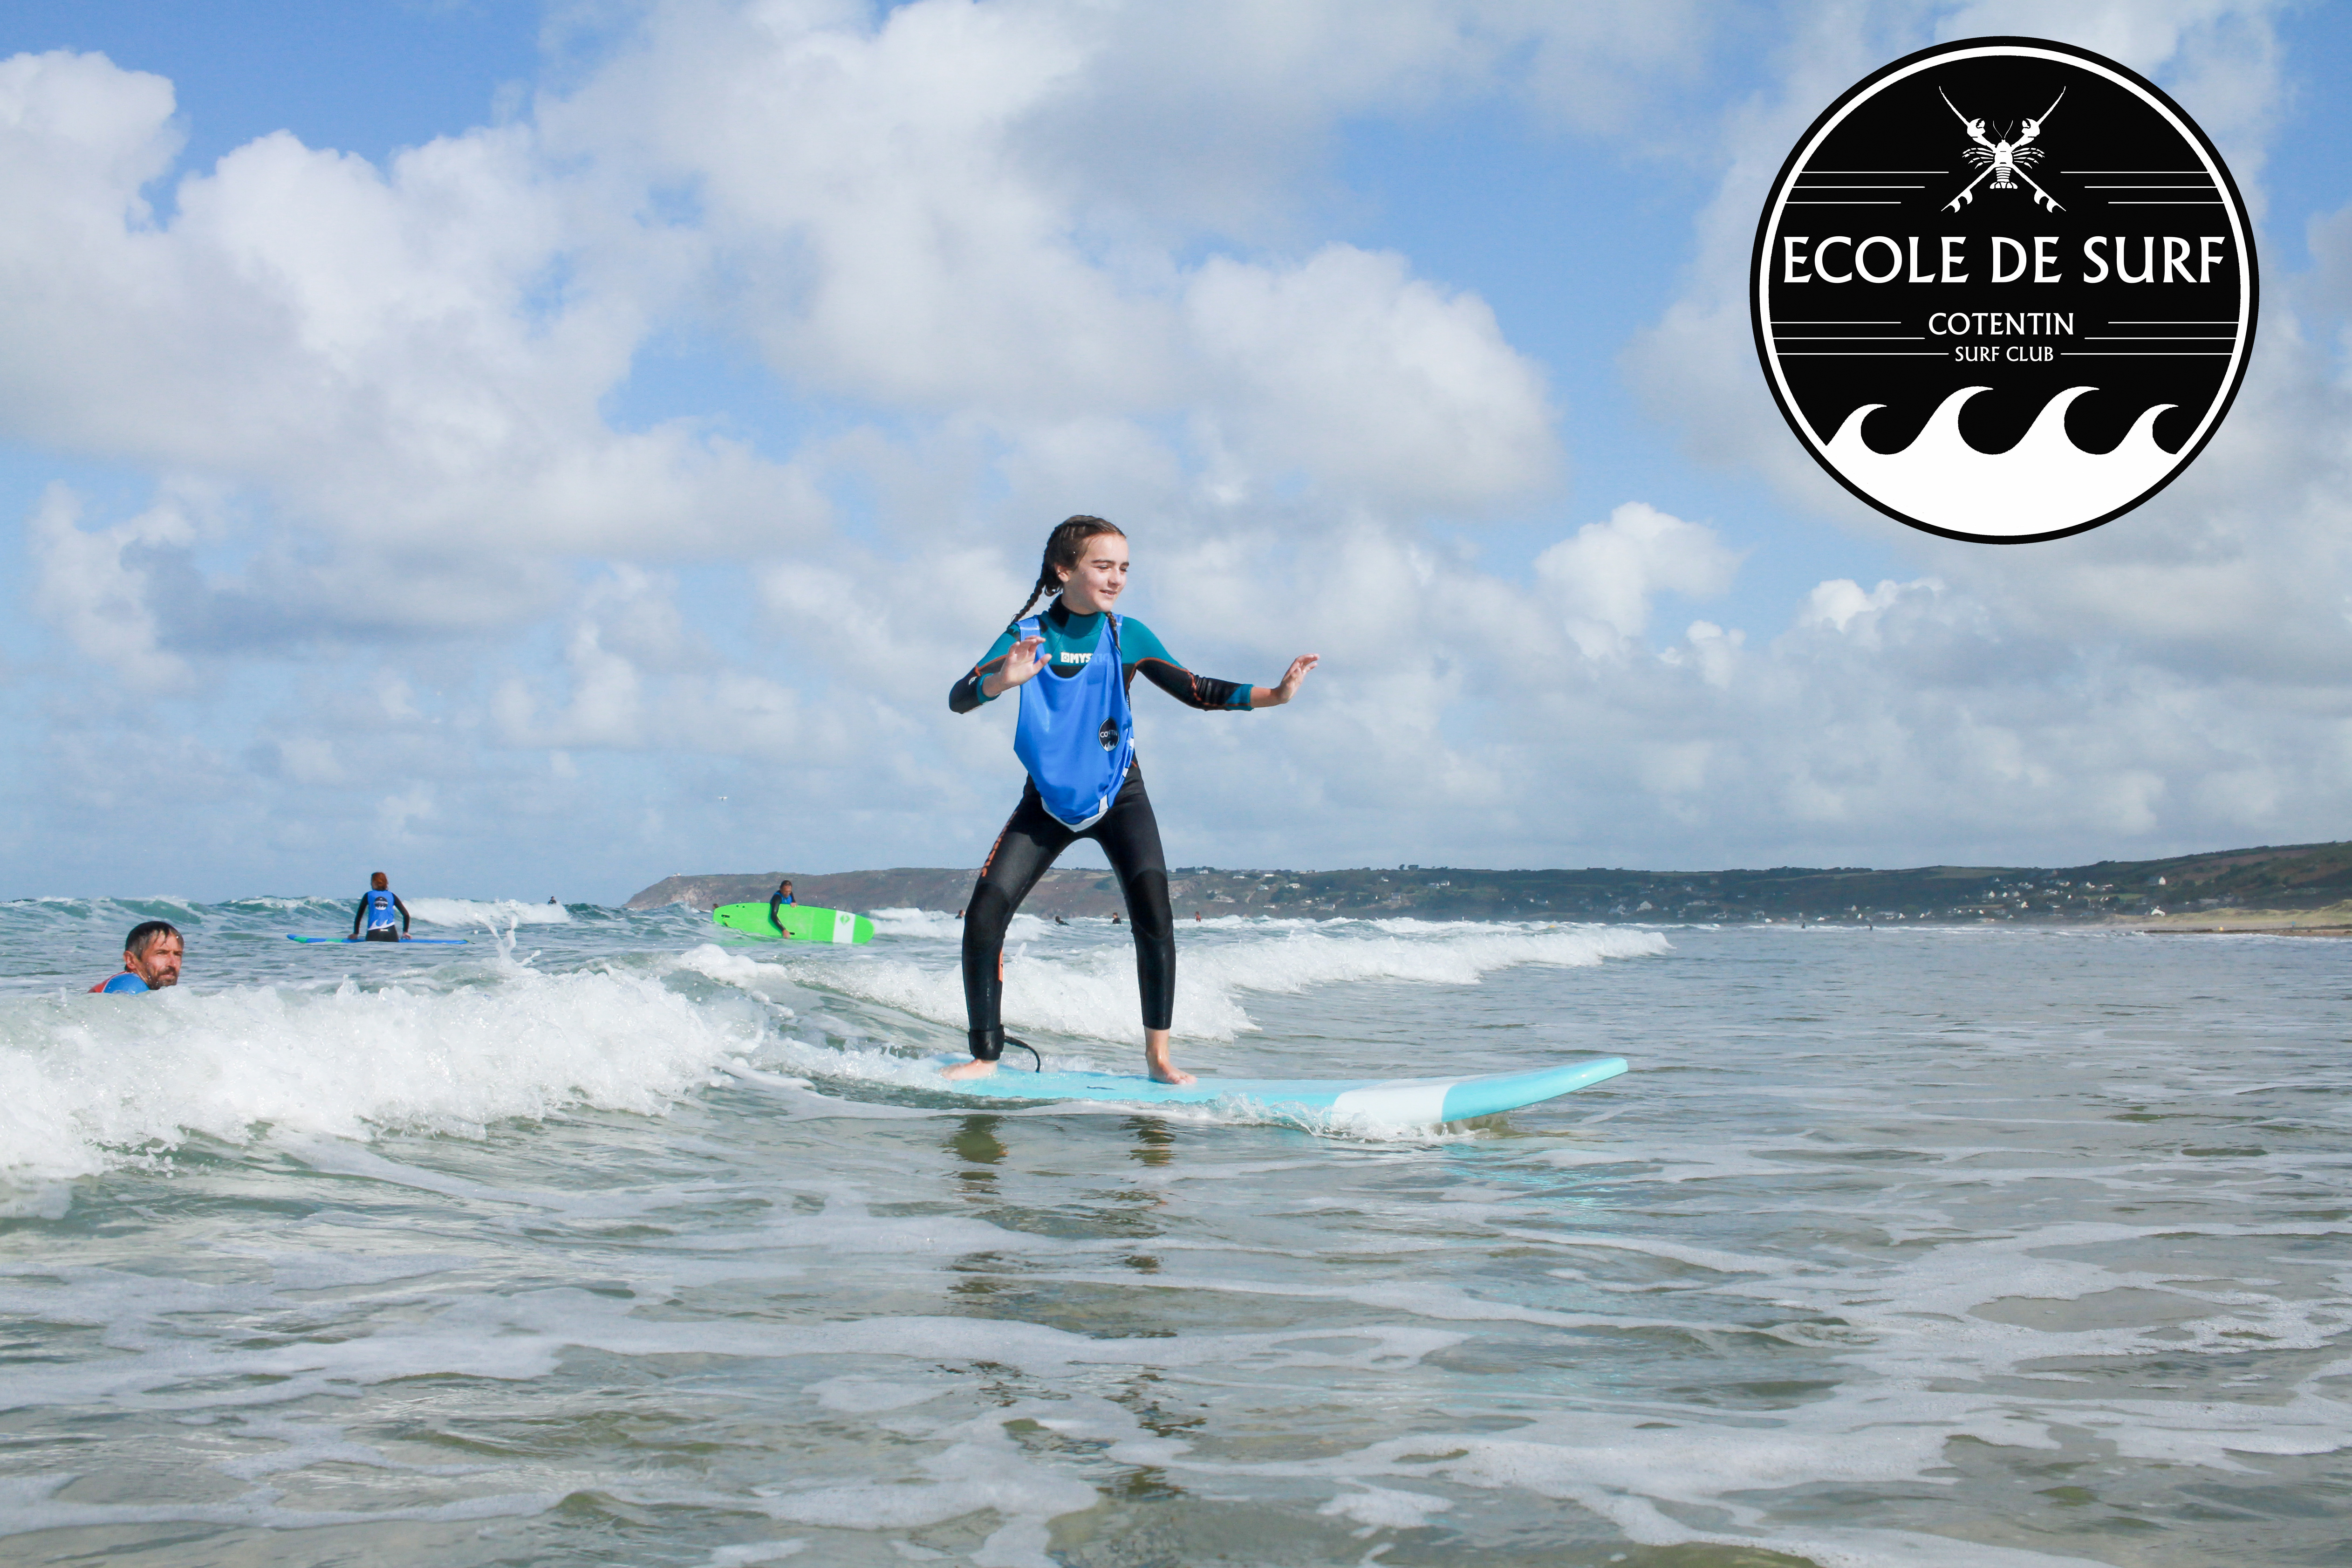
(1064, 548)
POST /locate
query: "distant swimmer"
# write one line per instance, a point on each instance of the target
(380, 912)
(551, 898)
(151, 958)
(1076, 736)
(777, 902)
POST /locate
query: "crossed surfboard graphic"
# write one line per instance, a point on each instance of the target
(2004, 162)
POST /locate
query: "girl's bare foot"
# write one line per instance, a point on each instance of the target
(973, 1069)
(1156, 1062)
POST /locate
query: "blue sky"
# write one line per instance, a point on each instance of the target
(540, 448)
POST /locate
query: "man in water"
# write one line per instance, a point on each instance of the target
(151, 958)
(380, 907)
(776, 902)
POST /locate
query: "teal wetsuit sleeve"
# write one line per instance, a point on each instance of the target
(1139, 647)
(1138, 642)
(966, 695)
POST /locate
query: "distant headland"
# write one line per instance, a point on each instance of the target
(2299, 887)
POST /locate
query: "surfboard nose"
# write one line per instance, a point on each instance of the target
(1499, 1092)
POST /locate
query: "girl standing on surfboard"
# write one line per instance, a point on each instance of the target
(1076, 737)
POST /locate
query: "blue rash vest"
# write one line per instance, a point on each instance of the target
(122, 984)
(1072, 755)
(1077, 735)
(382, 911)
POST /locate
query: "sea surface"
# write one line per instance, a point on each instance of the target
(599, 1241)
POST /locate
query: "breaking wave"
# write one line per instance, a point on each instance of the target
(88, 1082)
(1089, 990)
(495, 913)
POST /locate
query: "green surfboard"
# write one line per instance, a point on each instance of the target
(802, 922)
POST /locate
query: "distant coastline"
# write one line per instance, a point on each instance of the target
(2303, 889)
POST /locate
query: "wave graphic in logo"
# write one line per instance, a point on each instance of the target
(2044, 484)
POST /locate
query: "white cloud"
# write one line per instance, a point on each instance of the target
(398, 814)
(636, 680)
(407, 366)
(379, 355)
(1835, 604)
(924, 216)
(86, 588)
(1604, 578)
(1378, 386)
(1715, 650)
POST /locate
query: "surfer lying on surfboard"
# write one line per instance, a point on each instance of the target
(1076, 735)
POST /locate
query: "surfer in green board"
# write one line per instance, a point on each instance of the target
(1076, 736)
(380, 912)
(777, 900)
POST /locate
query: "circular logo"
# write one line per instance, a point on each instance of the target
(2004, 290)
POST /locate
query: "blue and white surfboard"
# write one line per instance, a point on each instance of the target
(1395, 1101)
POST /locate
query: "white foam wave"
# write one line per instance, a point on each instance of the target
(2042, 484)
(1091, 994)
(946, 927)
(88, 1084)
(495, 913)
(914, 922)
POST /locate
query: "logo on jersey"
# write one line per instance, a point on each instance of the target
(2019, 331)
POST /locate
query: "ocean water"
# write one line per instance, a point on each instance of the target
(596, 1241)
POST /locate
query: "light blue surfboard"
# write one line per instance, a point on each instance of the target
(403, 941)
(1393, 1101)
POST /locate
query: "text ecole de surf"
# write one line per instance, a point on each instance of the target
(1840, 258)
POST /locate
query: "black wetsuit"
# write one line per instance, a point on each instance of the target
(1032, 840)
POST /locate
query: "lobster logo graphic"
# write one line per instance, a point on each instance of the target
(2003, 162)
